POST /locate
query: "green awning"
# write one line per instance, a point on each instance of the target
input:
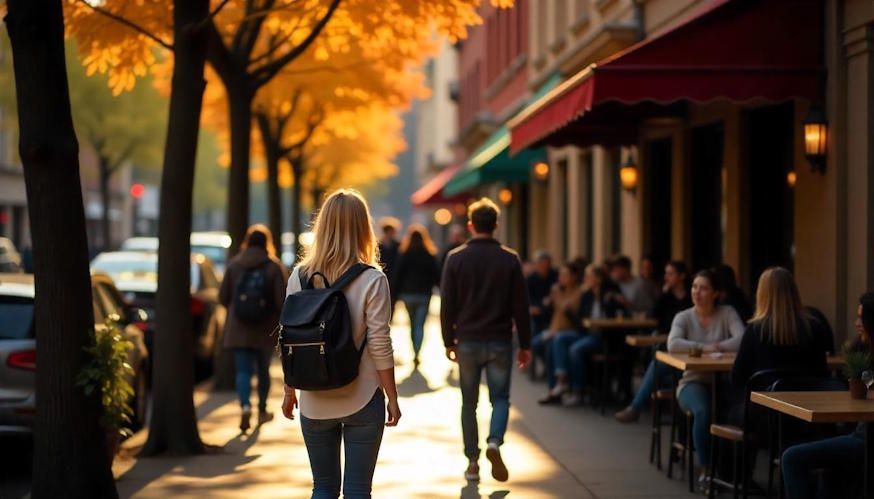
(491, 162)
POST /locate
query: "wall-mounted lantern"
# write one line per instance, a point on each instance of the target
(816, 139)
(505, 196)
(791, 179)
(541, 171)
(628, 173)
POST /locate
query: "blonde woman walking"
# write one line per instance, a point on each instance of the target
(356, 413)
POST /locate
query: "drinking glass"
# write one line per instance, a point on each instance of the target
(868, 378)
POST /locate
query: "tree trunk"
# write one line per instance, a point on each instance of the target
(240, 105)
(105, 201)
(173, 428)
(296, 201)
(69, 458)
(271, 156)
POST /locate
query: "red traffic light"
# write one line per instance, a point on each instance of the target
(137, 190)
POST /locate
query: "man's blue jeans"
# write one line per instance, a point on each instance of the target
(362, 433)
(246, 360)
(695, 398)
(417, 308)
(561, 346)
(496, 358)
(655, 370)
(842, 456)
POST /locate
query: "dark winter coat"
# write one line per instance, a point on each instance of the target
(415, 272)
(241, 334)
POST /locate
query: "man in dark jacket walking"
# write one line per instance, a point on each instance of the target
(483, 296)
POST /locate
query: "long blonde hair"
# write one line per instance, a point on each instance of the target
(422, 239)
(343, 236)
(778, 308)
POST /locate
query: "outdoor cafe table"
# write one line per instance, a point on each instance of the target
(827, 407)
(618, 325)
(717, 363)
(646, 340)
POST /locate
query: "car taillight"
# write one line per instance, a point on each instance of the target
(197, 307)
(25, 359)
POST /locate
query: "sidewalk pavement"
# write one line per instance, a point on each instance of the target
(550, 451)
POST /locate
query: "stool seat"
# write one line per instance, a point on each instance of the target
(727, 432)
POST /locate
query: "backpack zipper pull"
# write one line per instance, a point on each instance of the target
(322, 327)
(322, 349)
(290, 349)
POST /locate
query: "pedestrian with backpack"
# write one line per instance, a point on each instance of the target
(483, 298)
(253, 290)
(336, 348)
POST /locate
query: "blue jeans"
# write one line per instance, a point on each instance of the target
(842, 456)
(496, 358)
(362, 433)
(541, 346)
(244, 360)
(417, 307)
(655, 370)
(577, 355)
(561, 346)
(695, 398)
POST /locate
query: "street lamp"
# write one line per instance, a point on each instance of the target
(816, 138)
(791, 179)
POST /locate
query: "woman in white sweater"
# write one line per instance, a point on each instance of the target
(712, 328)
(355, 413)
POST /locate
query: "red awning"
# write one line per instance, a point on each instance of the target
(739, 50)
(432, 191)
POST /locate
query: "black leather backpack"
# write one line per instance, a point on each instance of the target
(316, 341)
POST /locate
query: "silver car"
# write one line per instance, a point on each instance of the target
(18, 348)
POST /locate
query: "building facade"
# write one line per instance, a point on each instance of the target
(722, 174)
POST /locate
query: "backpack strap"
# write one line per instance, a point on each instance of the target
(350, 275)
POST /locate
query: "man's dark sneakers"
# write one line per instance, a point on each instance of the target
(499, 469)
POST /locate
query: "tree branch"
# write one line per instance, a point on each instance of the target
(254, 30)
(130, 24)
(266, 72)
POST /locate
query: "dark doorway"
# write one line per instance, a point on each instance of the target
(771, 203)
(706, 169)
(657, 175)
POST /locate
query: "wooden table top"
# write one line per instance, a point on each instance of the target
(718, 363)
(817, 407)
(646, 340)
(620, 323)
(707, 362)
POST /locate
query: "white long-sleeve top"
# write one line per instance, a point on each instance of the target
(725, 329)
(370, 309)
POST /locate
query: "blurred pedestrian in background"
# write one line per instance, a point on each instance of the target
(253, 290)
(636, 297)
(650, 283)
(413, 279)
(540, 283)
(388, 243)
(457, 237)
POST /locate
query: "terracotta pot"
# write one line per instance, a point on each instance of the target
(113, 441)
(857, 389)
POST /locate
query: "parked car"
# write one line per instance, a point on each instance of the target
(10, 260)
(18, 348)
(136, 275)
(212, 244)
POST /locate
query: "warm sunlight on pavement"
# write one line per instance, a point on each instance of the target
(421, 458)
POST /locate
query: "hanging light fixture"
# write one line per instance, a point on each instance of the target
(505, 196)
(443, 216)
(791, 179)
(816, 139)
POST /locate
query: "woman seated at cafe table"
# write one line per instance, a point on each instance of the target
(708, 328)
(563, 329)
(840, 458)
(781, 334)
(601, 300)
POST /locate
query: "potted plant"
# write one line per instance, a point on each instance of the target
(108, 371)
(855, 363)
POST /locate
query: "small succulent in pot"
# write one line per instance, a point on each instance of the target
(855, 363)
